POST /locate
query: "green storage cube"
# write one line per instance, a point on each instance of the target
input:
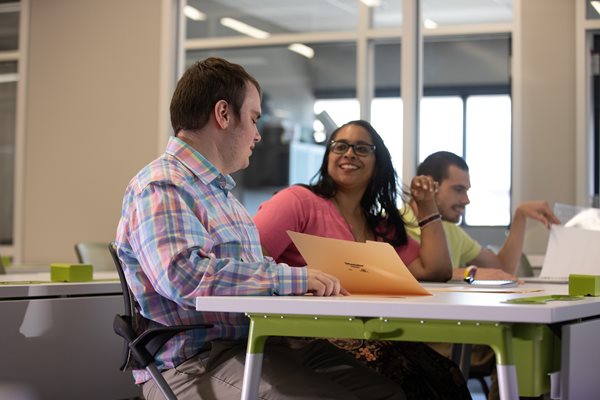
(71, 272)
(584, 285)
(6, 261)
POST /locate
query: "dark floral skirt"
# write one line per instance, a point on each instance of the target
(422, 372)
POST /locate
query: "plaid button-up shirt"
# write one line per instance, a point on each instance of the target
(183, 235)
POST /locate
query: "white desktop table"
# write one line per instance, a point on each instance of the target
(526, 335)
(56, 339)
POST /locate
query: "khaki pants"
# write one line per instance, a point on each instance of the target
(304, 370)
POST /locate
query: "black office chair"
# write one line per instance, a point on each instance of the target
(142, 343)
(461, 355)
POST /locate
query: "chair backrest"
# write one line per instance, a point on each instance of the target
(96, 254)
(143, 338)
(524, 268)
(127, 295)
(128, 304)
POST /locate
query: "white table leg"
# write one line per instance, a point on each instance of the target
(252, 376)
(507, 382)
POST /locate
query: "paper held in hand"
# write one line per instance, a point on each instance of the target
(362, 268)
(571, 251)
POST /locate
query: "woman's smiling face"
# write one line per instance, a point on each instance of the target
(348, 170)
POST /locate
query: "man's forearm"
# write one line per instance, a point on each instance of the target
(511, 251)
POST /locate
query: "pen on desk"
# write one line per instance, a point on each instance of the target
(470, 274)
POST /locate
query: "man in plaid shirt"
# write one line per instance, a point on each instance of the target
(183, 235)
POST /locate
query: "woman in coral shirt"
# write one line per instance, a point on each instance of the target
(355, 198)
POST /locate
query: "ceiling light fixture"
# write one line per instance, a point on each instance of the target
(371, 3)
(596, 5)
(194, 13)
(430, 24)
(302, 49)
(244, 28)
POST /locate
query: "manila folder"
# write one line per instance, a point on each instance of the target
(362, 268)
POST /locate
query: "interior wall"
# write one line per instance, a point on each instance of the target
(92, 118)
(544, 140)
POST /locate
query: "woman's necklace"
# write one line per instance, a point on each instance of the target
(357, 224)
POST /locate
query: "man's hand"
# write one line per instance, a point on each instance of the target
(322, 284)
(422, 190)
(538, 210)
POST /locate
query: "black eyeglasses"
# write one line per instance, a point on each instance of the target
(360, 149)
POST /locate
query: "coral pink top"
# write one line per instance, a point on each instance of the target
(298, 209)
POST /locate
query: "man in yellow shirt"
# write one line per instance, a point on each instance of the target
(452, 174)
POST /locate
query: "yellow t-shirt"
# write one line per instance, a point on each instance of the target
(463, 248)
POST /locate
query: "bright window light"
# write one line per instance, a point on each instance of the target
(441, 125)
(371, 3)
(319, 134)
(387, 119)
(194, 14)
(244, 28)
(430, 24)
(596, 5)
(340, 110)
(302, 49)
(488, 150)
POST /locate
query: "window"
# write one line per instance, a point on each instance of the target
(340, 110)
(483, 139)
(9, 21)
(9, 44)
(387, 119)
(460, 77)
(487, 150)
(307, 96)
(8, 95)
(441, 125)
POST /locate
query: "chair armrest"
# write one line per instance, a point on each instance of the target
(145, 345)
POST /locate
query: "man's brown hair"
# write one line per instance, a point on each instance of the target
(204, 84)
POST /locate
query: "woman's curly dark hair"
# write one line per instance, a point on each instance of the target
(379, 199)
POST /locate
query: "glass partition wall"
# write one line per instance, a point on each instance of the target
(591, 92)
(316, 59)
(9, 46)
(307, 57)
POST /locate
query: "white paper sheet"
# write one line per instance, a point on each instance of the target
(571, 251)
